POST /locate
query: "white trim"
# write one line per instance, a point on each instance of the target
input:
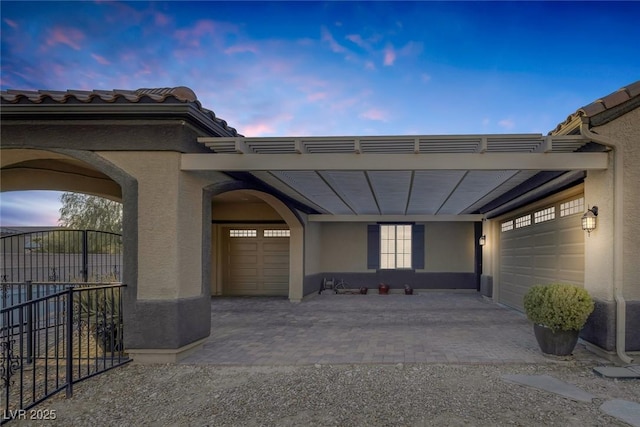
(394, 162)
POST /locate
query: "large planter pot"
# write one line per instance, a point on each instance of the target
(559, 343)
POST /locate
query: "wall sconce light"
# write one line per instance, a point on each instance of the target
(589, 220)
(482, 240)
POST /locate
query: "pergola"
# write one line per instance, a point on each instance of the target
(421, 178)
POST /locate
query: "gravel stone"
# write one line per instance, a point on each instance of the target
(335, 395)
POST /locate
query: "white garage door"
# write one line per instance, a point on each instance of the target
(543, 246)
(256, 261)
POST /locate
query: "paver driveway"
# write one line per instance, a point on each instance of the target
(431, 327)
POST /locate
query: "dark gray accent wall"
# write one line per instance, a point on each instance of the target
(167, 324)
(396, 279)
(486, 285)
(600, 328)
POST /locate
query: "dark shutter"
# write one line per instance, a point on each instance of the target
(373, 246)
(417, 246)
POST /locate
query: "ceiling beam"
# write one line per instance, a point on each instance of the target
(390, 162)
(395, 218)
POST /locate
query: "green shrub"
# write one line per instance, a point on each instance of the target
(558, 306)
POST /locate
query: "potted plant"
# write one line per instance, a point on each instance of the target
(558, 312)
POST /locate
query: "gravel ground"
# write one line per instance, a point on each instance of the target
(334, 395)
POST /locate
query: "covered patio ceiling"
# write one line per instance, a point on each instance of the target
(448, 177)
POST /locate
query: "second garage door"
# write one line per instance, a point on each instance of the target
(539, 247)
(256, 261)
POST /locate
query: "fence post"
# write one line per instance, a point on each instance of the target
(69, 389)
(30, 336)
(85, 256)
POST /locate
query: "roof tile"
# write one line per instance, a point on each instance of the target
(151, 95)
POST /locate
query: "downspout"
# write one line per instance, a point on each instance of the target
(618, 203)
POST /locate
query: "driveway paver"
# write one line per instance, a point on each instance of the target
(428, 327)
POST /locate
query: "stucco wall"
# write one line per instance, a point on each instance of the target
(248, 211)
(312, 250)
(169, 224)
(449, 247)
(625, 131)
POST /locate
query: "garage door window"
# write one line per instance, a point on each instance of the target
(544, 215)
(276, 233)
(523, 221)
(572, 207)
(243, 233)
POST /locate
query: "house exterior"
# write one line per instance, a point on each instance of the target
(210, 212)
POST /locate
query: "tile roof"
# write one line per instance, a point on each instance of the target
(180, 94)
(603, 104)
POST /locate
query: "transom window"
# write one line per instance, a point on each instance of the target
(395, 246)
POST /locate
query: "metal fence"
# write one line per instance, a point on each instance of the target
(51, 342)
(61, 256)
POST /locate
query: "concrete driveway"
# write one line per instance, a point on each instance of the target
(429, 327)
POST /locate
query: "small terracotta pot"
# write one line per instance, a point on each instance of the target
(383, 289)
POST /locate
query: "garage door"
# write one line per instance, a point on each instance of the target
(256, 261)
(542, 246)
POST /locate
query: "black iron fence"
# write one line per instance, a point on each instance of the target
(61, 256)
(50, 342)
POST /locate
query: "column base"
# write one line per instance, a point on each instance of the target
(149, 356)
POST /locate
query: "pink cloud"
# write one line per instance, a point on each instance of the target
(11, 23)
(257, 129)
(389, 56)
(374, 114)
(241, 48)
(317, 96)
(100, 59)
(357, 39)
(333, 44)
(67, 36)
(161, 19)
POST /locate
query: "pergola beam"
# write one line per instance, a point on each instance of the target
(395, 218)
(395, 162)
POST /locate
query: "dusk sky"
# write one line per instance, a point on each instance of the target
(334, 68)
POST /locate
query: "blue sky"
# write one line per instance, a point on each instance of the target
(329, 68)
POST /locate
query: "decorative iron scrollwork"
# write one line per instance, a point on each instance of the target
(9, 364)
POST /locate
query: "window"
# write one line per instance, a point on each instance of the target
(507, 225)
(544, 215)
(572, 207)
(276, 233)
(523, 221)
(243, 233)
(395, 246)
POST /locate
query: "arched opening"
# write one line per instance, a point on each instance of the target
(257, 245)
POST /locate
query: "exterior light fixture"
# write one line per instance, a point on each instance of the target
(482, 240)
(589, 220)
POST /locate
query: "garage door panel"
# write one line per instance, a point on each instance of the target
(550, 251)
(256, 265)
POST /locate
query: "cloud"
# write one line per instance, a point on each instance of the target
(316, 96)
(161, 19)
(425, 77)
(357, 39)
(12, 24)
(66, 36)
(241, 48)
(389, 56)
(333, 44)
(507, 123)
(374, 114)
(369, 65)
(100, 59)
